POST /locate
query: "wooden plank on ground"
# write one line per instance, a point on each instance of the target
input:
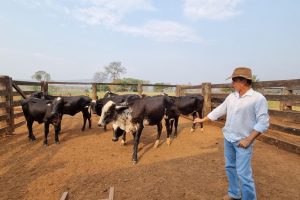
(65, 196)
(111, 193)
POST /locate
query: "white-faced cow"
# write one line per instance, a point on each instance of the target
(132, 118)
(72, 105)
(185, 105)
(126, 99)
(43, 111)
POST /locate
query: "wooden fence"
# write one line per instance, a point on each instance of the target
(284, 92)
(11, 93)
(11, 115)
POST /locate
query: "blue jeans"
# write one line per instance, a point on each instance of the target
(239, 171)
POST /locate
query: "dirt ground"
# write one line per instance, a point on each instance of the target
(87, 164)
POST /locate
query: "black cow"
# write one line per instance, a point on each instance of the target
(72, 105)
(185, 105)
(132, 118)
(43, 111)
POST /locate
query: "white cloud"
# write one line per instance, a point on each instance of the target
(111, 14)
(211, 9)
(167, 31)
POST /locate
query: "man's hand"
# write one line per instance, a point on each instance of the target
(198, 120)
(244, 143)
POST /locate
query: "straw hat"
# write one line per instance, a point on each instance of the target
(244, 72)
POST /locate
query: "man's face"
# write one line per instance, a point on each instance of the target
(238, 83)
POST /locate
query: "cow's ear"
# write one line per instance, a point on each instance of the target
(121, 108)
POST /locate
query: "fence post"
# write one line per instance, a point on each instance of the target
(94, 91)
(140, 89)
(206, 92)
(283, 104)
(8, 110)
(44, 86)
(178, 90)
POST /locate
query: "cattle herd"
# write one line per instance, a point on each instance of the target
(128, 113)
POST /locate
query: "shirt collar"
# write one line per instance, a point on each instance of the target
(248, 93)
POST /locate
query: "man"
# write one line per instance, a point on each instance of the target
(246, 118)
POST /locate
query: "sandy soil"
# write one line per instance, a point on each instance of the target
(87, 164)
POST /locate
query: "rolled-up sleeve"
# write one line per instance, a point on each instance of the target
(262, 116)
(218, 111)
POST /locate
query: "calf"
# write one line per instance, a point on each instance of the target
(185, 105)
(43, 111)
(72, 105)
(132, 118)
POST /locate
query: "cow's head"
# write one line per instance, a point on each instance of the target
(96, 106)
(54, 111)
(109, 112)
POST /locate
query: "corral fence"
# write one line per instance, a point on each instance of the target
(13, 91)
(283, 97)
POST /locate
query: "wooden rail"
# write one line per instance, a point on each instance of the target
(287, 99)
(214, 94)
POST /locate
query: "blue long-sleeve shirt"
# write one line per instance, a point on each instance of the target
(243, 115)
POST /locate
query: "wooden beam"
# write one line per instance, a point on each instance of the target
(19, 90)
(111, 194)
(65, 196)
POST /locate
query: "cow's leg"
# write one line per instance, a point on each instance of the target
(159, 129)
(123, 141)
(137, 136)
(31, 136)
(168, 124)
(57, 130)
(84, 120)
(194, 124)
(171, 126)
(46, 131)
(201, 124)
(89, 115)
(175, 126)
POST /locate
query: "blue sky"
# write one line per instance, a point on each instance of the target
(171, 41)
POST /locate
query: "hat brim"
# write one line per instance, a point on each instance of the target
(231, 77)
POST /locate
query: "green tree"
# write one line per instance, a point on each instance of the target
(159, 87)
(132, 88)
(114, 70)
(101, 77)
(41, 76)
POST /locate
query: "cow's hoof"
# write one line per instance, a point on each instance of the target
(156, 144)
(134, 162)
(32, 139)
(123, 143)
(192, 130)
(168, 141)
